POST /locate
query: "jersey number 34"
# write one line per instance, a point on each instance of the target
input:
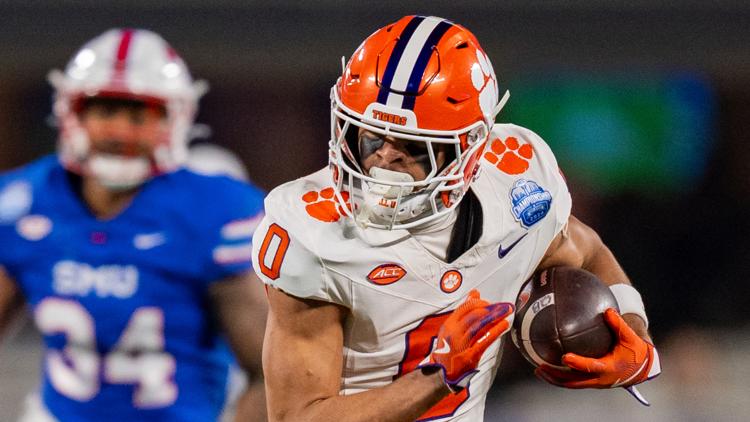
(138, 358)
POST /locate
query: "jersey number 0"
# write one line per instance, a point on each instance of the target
(419, 344)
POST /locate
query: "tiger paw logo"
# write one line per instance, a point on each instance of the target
(324, 206)
(484, 80)
(451, 281)
(509, 156)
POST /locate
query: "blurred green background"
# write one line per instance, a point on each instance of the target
(653, 134)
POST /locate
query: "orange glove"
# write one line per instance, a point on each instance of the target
(464, 337)
(631, 361)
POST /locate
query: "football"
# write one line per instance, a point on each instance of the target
(560, 310)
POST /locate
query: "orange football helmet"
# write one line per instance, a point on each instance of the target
(421, 79)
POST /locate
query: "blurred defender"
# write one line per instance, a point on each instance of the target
(392, 270)
(130, 263)
(212, 160)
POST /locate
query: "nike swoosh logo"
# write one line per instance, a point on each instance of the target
(483, 338)
(502, 252)
(149, 241)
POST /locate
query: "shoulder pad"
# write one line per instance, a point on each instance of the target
(301, 222)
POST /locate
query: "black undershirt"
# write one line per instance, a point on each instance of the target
(468, 226)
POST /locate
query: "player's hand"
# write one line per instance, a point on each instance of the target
(464, 337)
(631, 361)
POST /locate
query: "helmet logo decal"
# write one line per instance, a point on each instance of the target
(386, 274)
(484, 80)
(509, 156)
(451, 281)
(323, 205)
(409, 59)
(389, 118)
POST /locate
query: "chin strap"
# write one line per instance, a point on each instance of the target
(499, 107)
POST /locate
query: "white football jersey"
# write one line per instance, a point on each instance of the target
(397, 292)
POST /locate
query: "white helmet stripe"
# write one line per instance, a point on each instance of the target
(409, 60)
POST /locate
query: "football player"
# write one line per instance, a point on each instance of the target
(131, 263)
(392, 271)
(212, 159)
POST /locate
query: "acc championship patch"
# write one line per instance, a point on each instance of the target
(530, 202)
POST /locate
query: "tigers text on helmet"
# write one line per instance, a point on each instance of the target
(421, 79)
(132, 64)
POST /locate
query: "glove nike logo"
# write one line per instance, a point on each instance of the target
(483, 338)
(444, 348)
(502, 252)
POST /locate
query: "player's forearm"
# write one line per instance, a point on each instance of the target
(636, 323)
(11, 301)
(251, 405)
(403, 400)
(604, 264)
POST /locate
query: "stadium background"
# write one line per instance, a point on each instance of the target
(647, 105)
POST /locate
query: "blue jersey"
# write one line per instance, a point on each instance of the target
(122, 304)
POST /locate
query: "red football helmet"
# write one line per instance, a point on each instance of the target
(131, 64)
(422, 79)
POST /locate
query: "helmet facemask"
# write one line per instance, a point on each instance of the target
(387, 199)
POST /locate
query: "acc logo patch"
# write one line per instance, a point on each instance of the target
(386, 274)
(530, 202)
(451, 281)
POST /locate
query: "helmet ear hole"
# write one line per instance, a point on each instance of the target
(78, 104)
(450, 156)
